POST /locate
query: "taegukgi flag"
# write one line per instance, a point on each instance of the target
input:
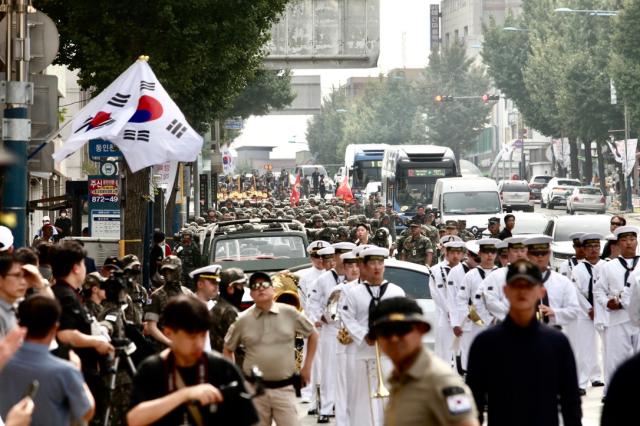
(139, 117)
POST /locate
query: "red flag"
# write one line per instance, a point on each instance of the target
(294, 199)
(344, 191)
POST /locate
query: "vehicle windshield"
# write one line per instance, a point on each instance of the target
(598, 224)
(484, 202)
(542, 179)
(590, 191)
(412, 282)
(365, 172)
(515, 187)
(569, 182)
(290, 246)
(308, 171)
(534, 224)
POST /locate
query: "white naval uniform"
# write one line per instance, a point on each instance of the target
(344, 363)
(468, 293)
(566, 267)
(562, 298)
(439, 288)
(308, 277)
(454, 281)
(363, 410)
(493, 291)
(583, 336)
(620, 336)
(326, 351)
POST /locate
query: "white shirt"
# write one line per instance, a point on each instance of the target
(439, 288)
(610, 285)
(307, 277)
(494, 298)
(344, 288)
(563, 299)
(320, 292)
(470, 291)
(566, 267)
(583, 274)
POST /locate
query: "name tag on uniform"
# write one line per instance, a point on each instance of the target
(111, 318)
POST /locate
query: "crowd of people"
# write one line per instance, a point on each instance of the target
(515, 341)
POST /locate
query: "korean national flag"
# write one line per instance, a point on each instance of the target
(139, 117)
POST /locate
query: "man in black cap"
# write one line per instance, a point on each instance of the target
(422, 385)
(522, 370)
(494, 227)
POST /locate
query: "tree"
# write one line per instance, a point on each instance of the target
(266, 91)
(326, 129)
(625, 59)
(456, 123)
(204, 52)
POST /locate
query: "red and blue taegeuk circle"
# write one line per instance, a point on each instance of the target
(149, 109)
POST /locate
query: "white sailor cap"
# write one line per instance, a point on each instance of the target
(373, 253)
(317, 245)
(6, 238)
(625, 230)
(576, 236)
(349, 257)
(361, 247)
(538, 242)
(590, 237)
(448, 238)
(472, 246)
(500, 245)
(515, 242)
(455, 245)
(611, 237)
(211, 272)
(343, 246)
(326, 252)
(488, 242)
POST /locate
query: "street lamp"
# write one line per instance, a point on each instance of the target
(592, 12)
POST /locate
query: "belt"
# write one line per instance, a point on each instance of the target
(275, 384)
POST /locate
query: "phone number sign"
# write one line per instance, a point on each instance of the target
(104, 191)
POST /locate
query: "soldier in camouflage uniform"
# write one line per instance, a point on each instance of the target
(356, 208)
(93, 293)
(431, 232)
(417, 248)
(137, 295)
(189, 254)
(463, 232)
(225, 311)
(171, 270)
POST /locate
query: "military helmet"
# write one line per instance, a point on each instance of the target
(382, 233)
(201, 220)
(129, 261)
(94, 279)
(171, 262)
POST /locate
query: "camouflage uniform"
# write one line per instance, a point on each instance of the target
(223, 314)
(95, 309)
(416, 249)
(466, 235)
(191, 259)
(356, 209)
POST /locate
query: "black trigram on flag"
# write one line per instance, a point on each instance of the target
(119, 100)
(147, 85)
(133, 135)
(177, 129)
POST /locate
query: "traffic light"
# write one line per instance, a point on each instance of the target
(487, 97)
(443, 98)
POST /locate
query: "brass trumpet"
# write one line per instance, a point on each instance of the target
(332, 312)
(474, 316)
(381, 391)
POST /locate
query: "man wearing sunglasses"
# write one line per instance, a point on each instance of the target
(522, 371)
(613, 293)
(268, 330)
(502, 259)
(583, 331)
(492, 286)
(559, 307)
(422, 386)
(468, 296)
(615, 222)
(566, 267)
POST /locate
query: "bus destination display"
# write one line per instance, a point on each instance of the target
(426, 172)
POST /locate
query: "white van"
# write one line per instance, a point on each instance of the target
(474, 199)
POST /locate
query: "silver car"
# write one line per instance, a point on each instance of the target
(586, 198)
(515, 195)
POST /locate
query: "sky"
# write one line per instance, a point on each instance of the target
(404, 33)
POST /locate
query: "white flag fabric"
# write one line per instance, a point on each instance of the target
(166, 176)
(139, 117)
(625, 157)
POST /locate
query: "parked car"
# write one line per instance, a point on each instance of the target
(515, 195)
(536, 184)
(556, 192)
(560, 227)
(586, 198)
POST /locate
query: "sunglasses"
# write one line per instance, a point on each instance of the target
(488, 250)
(538, 253)
(616, 223)
(260, 285)
(399, 329)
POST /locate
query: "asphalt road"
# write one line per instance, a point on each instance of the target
(591, 403)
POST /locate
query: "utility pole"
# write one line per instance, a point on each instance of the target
(628, 206)
(16, 126)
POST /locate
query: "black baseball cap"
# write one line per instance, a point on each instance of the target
(523, 269)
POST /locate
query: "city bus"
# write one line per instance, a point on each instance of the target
(363, 164)
(410, 172)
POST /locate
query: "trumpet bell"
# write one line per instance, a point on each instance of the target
(474, 316)
(285, 285)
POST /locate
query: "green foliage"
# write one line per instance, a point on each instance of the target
(326, 130)
(267, 90)
(625, 59)
(204, 52)
(456, 123)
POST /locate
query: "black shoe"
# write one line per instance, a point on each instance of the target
(312, 412)
(597, 384)
(323, 419)
(603, 399)
(583, 392)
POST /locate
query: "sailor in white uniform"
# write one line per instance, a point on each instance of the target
(559, 307)
(328, 328)
(612, 292)
(359, 300)
(465, 324)
(345, 351)
(440, 287)
(566, 267)
(493, 286)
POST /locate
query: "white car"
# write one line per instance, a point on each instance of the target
(556, 192)
(586, 198)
